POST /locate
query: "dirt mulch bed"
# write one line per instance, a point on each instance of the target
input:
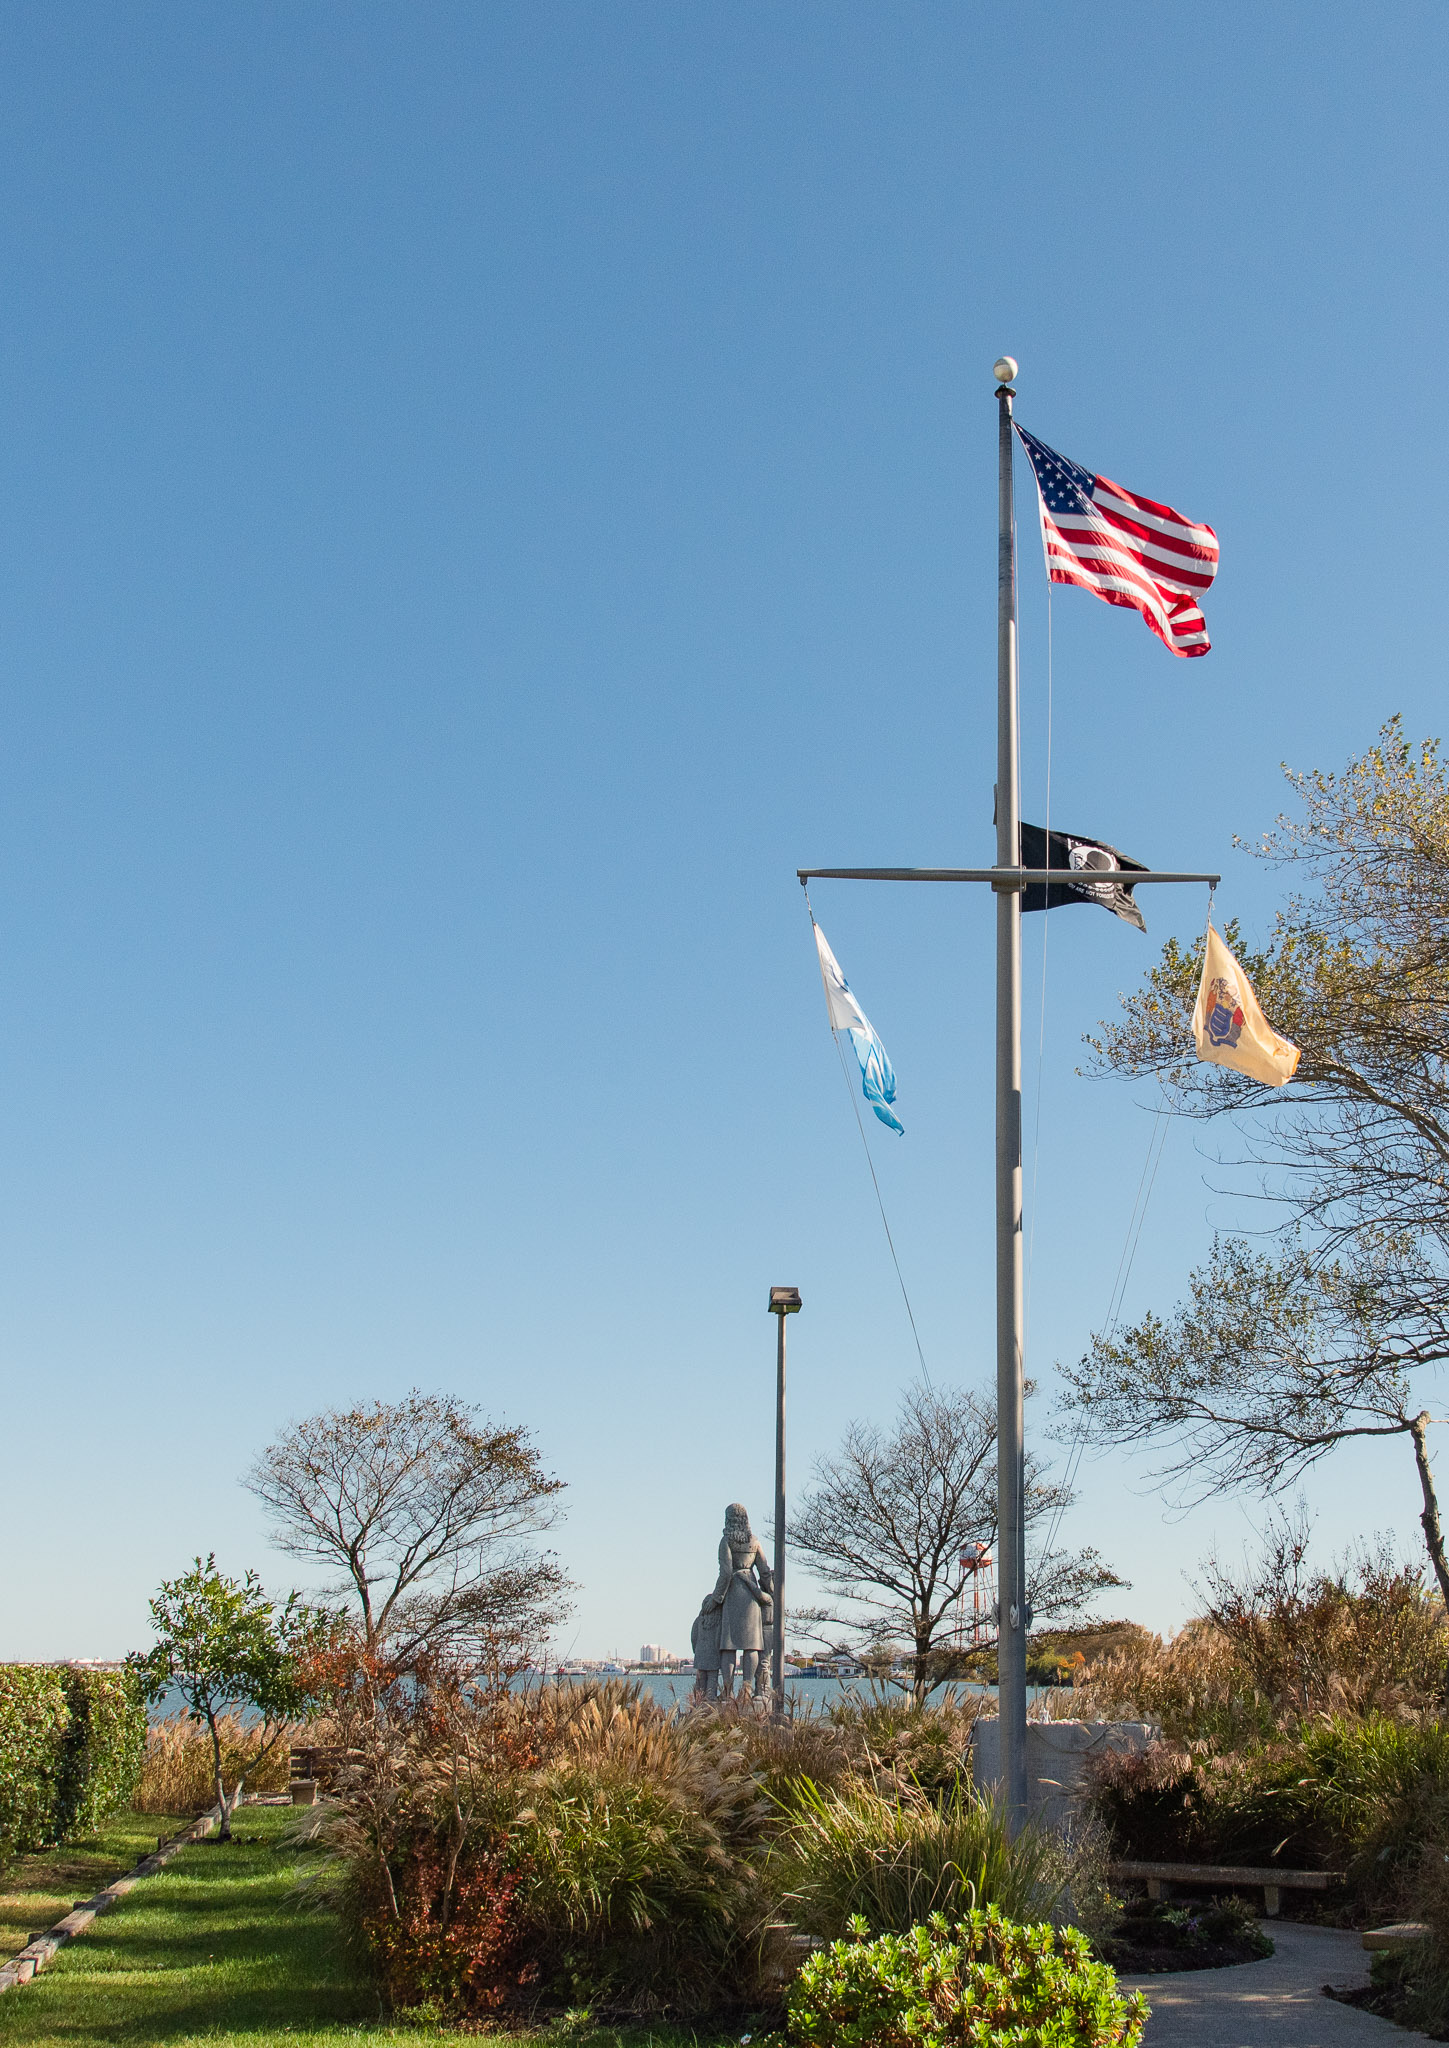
(1153, 1936)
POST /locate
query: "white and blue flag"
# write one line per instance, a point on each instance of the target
(877, 1075)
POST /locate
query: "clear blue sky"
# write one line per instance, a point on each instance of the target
(487, 492)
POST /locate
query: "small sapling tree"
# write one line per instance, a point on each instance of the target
(227, 1649)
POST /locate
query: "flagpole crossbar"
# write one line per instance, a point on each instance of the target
(1006, 878)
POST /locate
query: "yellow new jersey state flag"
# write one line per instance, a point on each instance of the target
(1230, 1029)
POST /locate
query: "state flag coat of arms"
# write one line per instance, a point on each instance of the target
(1229, 1028)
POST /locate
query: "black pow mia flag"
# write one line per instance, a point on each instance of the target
(1088, 865)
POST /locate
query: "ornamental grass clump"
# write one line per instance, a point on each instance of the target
(1417, 1979)
(556, 1847)
(979, 1979)
(497, 1850)
(891, 1859)
(1192, 1685)
(914, 1743)
(178, 1773)
(1381, 1786)
(629, 1897)
(1280, 1645)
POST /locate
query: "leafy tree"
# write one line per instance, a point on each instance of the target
(228, 1649)
(1285, 1349)
(422, 1512)
(884, 1522)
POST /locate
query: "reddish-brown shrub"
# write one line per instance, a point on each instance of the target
(443, 1927)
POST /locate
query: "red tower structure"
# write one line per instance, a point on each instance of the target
(980, 1576)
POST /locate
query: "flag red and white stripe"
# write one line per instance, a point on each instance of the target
(1128, 549)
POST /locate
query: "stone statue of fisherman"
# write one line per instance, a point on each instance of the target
(743, 1595)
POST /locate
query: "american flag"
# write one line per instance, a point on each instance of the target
(1129, 550)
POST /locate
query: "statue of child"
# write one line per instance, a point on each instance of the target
(704, 1642)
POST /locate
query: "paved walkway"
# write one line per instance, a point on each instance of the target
(1278, 2003)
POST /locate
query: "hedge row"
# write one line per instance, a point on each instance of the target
(71, 1748)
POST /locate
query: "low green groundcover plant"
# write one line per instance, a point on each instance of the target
(981, 1980)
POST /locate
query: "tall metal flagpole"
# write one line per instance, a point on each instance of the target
(1010, 1472)
(1008, 878)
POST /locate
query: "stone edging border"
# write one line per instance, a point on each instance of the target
(21, 1968)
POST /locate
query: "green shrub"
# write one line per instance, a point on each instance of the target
(892, 1860)
(71, 1743)
(33, 1721)
(981, 1980)
(104, 1749)
(1151, 1934)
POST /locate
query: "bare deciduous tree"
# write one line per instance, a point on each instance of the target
(1282, 1353)
(884, 1523)
(423, 1511)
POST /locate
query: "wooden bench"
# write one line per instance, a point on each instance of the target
(1161, 1877)
(313, 1770)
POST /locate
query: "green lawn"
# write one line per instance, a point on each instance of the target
(215, 1949)
(38, 1890)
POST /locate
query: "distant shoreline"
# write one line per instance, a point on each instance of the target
(673, 1688)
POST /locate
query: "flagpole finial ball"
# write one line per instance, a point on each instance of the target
(1004, 369)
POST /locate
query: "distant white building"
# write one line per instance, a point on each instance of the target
(654, 1653)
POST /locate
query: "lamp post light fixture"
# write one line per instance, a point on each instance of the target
(784, 1301)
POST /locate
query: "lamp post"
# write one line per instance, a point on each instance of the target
(784, 1301)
